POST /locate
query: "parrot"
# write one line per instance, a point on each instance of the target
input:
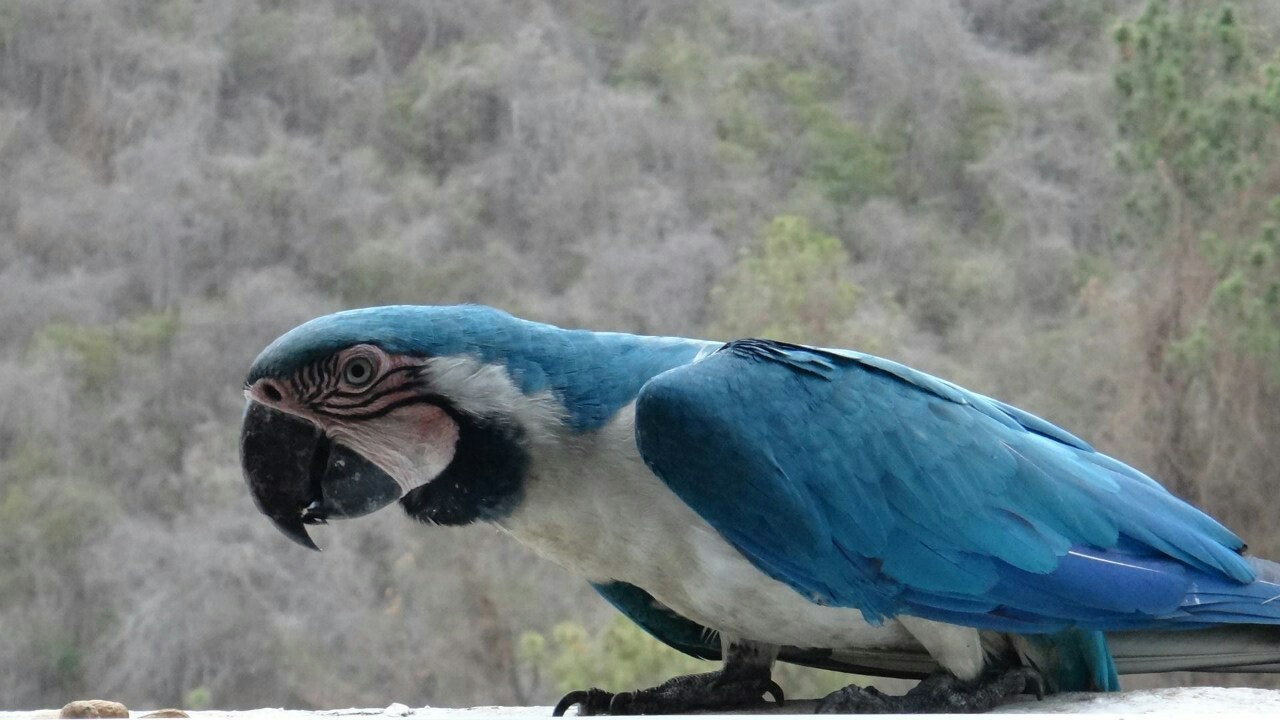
(755, 501)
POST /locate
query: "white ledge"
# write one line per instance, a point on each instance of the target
(1198, 702)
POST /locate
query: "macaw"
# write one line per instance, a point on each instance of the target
(756, 501)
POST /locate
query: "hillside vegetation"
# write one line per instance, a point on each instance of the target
(1072, 205)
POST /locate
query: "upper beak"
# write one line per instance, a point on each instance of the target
(299, 477)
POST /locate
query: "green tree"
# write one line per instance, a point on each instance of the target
(1193, 113)
(1198, 111)
(1198, 117)
(791, 117)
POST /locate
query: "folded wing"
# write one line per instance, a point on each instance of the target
(863, 483)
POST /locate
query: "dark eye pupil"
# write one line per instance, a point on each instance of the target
(358, 371)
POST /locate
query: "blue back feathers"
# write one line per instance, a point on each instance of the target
(862, 483)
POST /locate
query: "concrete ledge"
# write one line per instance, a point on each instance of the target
(1197, 702)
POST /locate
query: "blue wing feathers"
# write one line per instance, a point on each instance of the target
(863, 483)
(1040, 427)
(659, 621)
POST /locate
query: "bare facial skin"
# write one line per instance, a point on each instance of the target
(376, 404)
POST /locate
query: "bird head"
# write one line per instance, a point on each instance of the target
(353, 411)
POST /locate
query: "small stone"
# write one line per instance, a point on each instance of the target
(94, 709)
(397, 709)
(167, 713)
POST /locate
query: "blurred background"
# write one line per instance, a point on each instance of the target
(1067, 204)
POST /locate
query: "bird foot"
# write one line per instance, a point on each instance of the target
(707, 691)
(939, 693)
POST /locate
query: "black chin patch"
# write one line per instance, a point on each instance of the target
(482, 482)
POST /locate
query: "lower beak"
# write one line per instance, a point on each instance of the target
(299, 477)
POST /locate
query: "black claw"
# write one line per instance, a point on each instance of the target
(775, 690)
(589, 702)
(568, 701)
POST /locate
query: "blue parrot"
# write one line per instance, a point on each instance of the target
(756, 501)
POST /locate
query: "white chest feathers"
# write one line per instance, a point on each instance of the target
(593, 507)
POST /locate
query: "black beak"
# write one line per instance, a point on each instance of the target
(299, 477)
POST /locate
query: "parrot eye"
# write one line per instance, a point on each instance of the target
(358, 372)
